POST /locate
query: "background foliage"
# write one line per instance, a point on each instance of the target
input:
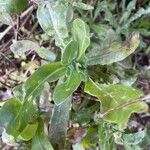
(75, 74)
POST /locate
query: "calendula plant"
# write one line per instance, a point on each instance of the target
(111, 106)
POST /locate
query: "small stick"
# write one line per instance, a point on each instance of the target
(5, 85)
(10, 27)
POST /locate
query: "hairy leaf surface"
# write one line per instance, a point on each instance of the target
(115, 52)
(117, 102)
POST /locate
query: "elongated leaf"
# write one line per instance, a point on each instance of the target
(139, 139)
(119, 95)
(28, 132)
(115, 96)
(20, 47)
(58, 15)
(17, 91)
(77, 146)
(94, 90)
(105, 134)
(49, 72)
(137, 15)
(104, 6)
(13, 6)
(70, 53)
(82, 6)
(59, 123)
(126, 14)
(27, 114)
(115, 52)
(40, 140)
(81, 36)
(44, 19)
(64, 90)
(136, 141)
(9, 111)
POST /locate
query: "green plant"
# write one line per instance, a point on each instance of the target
(22, 116)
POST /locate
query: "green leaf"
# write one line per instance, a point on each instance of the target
(122, 95)
(13, 6)
(113, 98)
(64, 90)
(101, 30)
(70, 53)
(77, 146)
(81, 36)
(27, 114)
(44, 20)
(105, 7)
(9, 111)
(5, 18)
(115, 52)
(137, 15)
(46, 54)
(82, 6)
(139, 139)
(17, 91)
(49, 72)
(91, 137)
(28, 132)
(127, 13)
(58, 15)
(136, 141)
(94, 90)
(20, 47)
(40, 140)
(105, 133)
(59, 123)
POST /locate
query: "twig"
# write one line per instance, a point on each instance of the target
(17, 27)
(5, 85)
(7, 59)
(10, 27)
(140, 99)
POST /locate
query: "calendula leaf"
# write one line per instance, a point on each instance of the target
(27, 114)
(105, 134)
(120, 95)
(9, 111)
(49, 72)
(78, 146)
(136, 141)
(44, 19)
(58, 14)
(115, 96)
(13, 6)
(139, 139)
(137, 15)
(126, 14)
(115, 52)
(17, 91)
(40, 141)
(20, 47)
(64, 90)
(10, 119)
(81, 36)
(59, 123)
(28, 133)
(70, 53)
(83, 6)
